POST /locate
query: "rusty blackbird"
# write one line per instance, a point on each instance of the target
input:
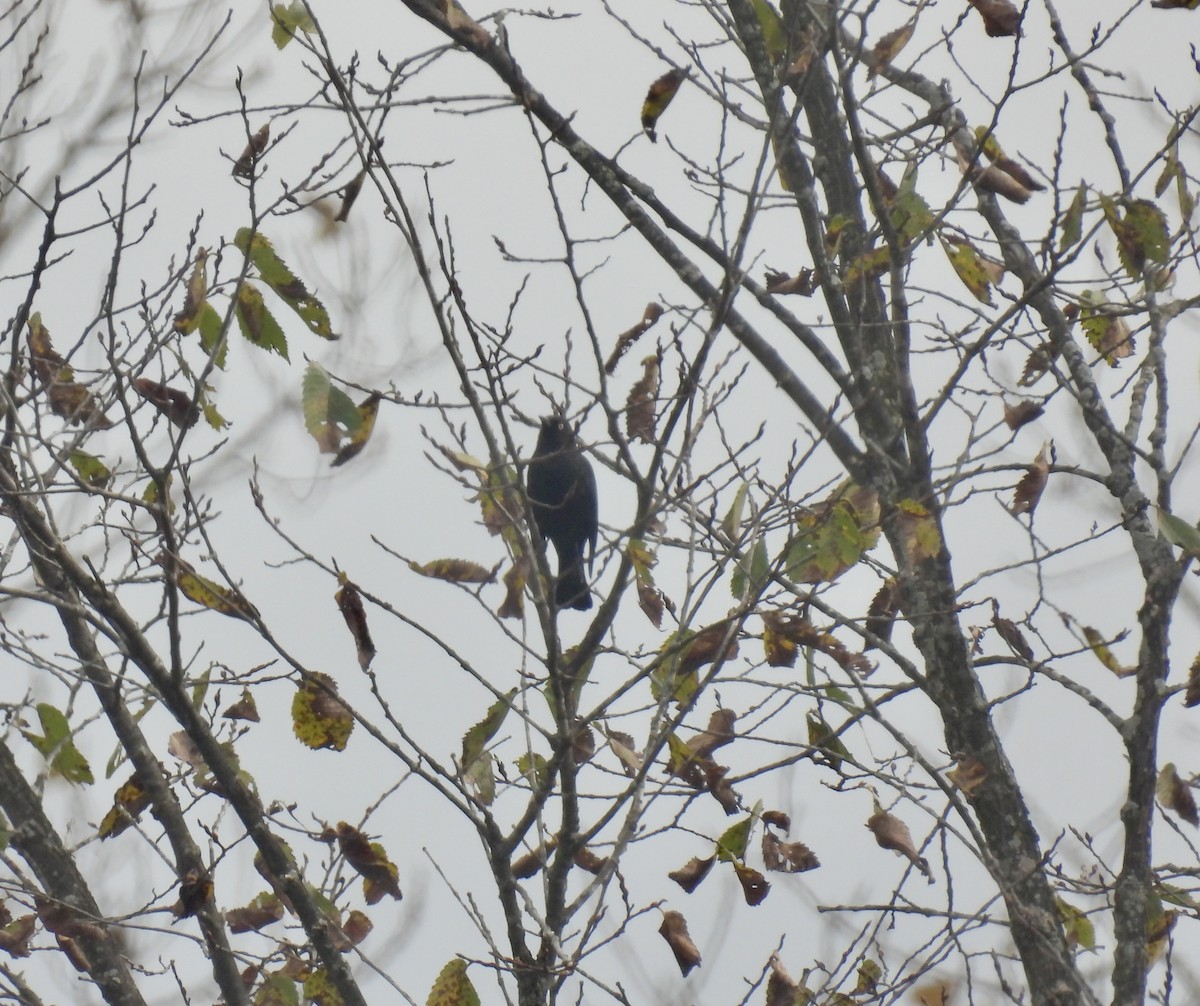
(562, 493)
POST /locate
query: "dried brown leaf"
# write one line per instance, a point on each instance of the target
(627, 338)
(692, 873)
(176, 405)
(803, 283)
(1033, 483)
(754, 885)
(1191, 697)
(349, 602)
(787, 857)
(888, 48)
(1041, 358)
(675, 931)
(1009, 632)
(1176, 795)
(881, 615)
(640, 405)
(243, 167)
(1023, 412)
(968, 775)
(718, 733)
(1000, 17)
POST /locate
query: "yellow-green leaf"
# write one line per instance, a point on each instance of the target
(731, 846)
(732, 521)
(188, 319)
(1179, 532)
(968, 263)
(203, 591)
(919, 535)
(1141, 233)
(1072, 223)
(751, 570)
(287, 19)
(367, 410)
(56, 745)
(258, 325)
(476, 739)
(319, 719)
(286, 284)
(453, 987)
(1078, 927)
(454, 571)
(830, 538)
(773, 33)
(210, 325)
(277, 990)
(90, 469)
(330, 414)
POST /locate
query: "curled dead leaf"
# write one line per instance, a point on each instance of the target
(1000, 17)
(1022, 413)
(640, 406)
(1176, 795)
(1191, 697)
(675, 931)
(888, 48)
(968, 775)
(754, 885)
(787, 857)
(627, 338)
(803, 283)
(1033, 483)
(243, 167)
(349, 602)
(692, 873)
(1009, 632)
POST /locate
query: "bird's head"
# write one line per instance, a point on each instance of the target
(555, 434)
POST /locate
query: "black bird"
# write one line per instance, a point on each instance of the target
(562, 493)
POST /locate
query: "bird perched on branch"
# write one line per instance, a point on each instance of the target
(561, 487)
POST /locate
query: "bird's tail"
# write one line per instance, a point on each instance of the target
(572, 588)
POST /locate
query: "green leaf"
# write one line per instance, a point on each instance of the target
(365, 413)
(275, 273)
(258, 325)
(453, 987)
(771, 26)
(910, 213)
(56, 745)
(830, 538)
(200, 688)
(475, 740)
(330, 414)
(533, 767)
(90, 469)
(1072, 223)
(1141, 233)
(1078, 927)
(210, 335)
(732, 521)
(735, 840)
(969, 265)
(319, 719)
(287, 19)
(277, 990)
(751, 572)
(1179, 532)
(731, 846)
(320, 990)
